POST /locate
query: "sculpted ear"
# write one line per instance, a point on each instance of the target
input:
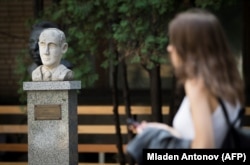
(64, 48)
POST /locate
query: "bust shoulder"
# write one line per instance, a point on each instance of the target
(62, 73)
(37, 74)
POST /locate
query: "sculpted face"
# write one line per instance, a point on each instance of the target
(51, 47)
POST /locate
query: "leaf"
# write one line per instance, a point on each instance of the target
(150, 65)
(98, 25)
(135, 59)
(105, 64)
(124, 8)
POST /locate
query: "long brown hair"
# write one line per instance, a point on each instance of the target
(204, 51)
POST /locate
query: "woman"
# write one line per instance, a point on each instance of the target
(205, 66)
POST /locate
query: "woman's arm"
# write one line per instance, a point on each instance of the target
(202, 105)
(166, 127)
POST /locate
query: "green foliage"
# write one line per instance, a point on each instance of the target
(141, 30)
(21, 70)
(136, 29)
(214, 4)
(133, 28)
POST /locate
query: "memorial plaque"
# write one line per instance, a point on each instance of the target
(48, 112)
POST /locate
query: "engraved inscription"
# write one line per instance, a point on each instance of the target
(48, 112)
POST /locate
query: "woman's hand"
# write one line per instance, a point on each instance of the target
(141, 127)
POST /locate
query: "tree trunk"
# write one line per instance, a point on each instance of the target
(126, 98)
(115, 95)
(155, 93)
(38, 8)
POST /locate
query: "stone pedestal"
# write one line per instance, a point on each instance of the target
(52, 122)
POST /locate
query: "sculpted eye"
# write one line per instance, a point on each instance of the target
(52, 45)
(42, 44)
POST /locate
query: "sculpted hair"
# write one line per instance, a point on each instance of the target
(204, 51)
(43, 25)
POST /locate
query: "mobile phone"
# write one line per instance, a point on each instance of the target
(132, 122)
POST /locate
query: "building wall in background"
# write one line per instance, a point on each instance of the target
(14, 37)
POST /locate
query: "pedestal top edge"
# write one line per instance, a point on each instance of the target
(51, 85)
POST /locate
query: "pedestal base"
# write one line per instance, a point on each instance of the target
(52, 122)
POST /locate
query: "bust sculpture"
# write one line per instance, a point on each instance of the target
(52, 45)
(34, 48)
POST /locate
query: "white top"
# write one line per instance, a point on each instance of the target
(184, 125)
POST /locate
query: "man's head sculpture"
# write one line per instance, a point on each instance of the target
(52, 45)
(34, 37)
(33, 43)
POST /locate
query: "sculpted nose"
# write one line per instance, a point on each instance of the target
(47, 50)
